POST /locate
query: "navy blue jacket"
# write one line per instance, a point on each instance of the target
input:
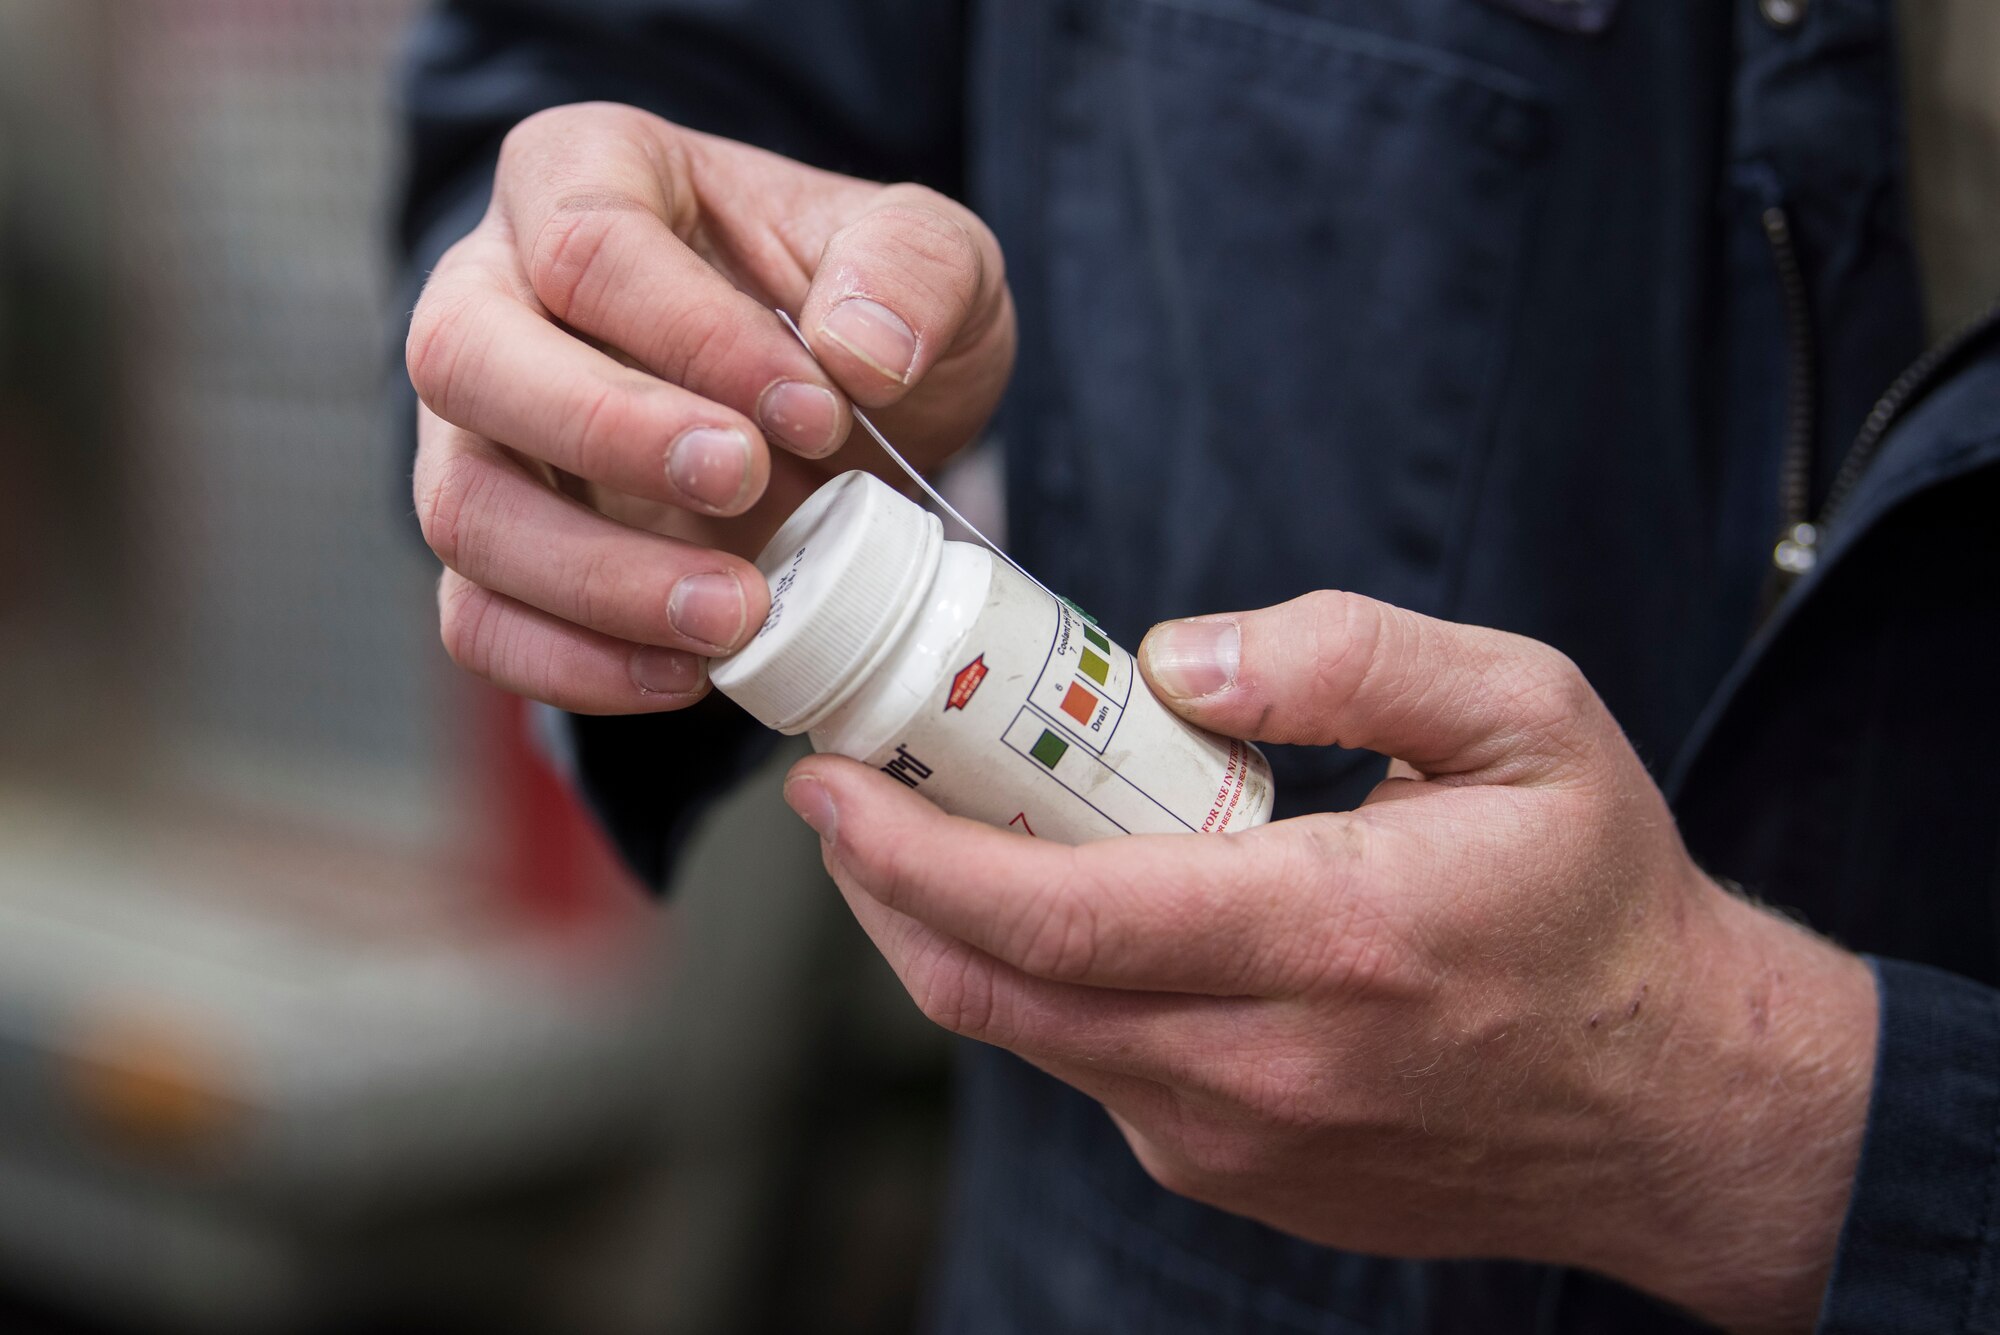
(1543, 314)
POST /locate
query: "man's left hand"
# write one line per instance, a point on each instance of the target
(1495, 1011)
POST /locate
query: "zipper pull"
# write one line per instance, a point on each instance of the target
(1796, 552)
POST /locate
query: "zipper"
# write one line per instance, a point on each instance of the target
(1910, 387)
(1798, 537)
(1797, 550)
(1801, 532)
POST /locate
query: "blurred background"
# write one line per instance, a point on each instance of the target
(320, 1006)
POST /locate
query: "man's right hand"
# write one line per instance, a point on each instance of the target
(613, 419)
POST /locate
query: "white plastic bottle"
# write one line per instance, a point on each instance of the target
(940, 665)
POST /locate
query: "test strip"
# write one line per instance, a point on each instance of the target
(918, 478)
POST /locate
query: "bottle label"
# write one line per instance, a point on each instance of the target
(1045, 726)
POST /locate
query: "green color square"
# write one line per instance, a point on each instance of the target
(1049, 749)
(1095, 668)
(1098, 640)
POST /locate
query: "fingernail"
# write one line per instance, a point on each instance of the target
(709, 609)
(666, 671)
(802, 414)
(1190, 659)
(814, 804)
(875, 334)
(710, 464)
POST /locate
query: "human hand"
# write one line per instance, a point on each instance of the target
(1496, 1011)
(602, 380)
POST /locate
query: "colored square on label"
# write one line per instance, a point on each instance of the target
(1079, 704)
(1049, 749)
(1094, 667)
(1090, 633)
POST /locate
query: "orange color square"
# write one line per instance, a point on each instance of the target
(1079, 704)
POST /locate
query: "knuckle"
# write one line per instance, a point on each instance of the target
(1346, 632)
(597, 591)
(1336, 942)
(1170, 1171)
(928, 226)
(1325, 606)
(1058, 932)
(1334, 852)
(1212, 1158)
(696, 339)
(1349, 940)
(438, 347)
(530, 132)
(896, 880)
(1191, 1153)
(524, 145)
(1571, 691)
(1364, 951)
(466, 624)
(934, 242)
(450, 494)
(1284, 1096)
(1549, 689)
(592, 436)
(465, 260)
(573, 254)
(553, 667)
(956, 991)
(484, 637)
(1362, 955)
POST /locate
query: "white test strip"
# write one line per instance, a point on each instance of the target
(918, 478)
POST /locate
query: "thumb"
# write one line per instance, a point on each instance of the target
(1337, 669)
(914, 281)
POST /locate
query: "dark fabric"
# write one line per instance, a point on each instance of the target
(1467, 304)
(1920, 1245)
(1848, 766)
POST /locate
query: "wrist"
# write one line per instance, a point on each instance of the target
(1747, 1133)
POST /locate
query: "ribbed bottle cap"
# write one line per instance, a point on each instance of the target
(845, 572)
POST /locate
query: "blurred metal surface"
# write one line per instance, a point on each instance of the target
(298, 1028)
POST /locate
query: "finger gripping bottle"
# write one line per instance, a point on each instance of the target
(940, 665)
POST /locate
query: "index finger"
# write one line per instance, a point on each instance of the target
(1255, 913)
(482, 359)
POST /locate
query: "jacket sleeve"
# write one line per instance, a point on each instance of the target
(1920, 1249)
(872, 88)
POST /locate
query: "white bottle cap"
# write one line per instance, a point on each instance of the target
(846, 572)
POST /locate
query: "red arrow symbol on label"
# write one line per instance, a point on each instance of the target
(966, 682)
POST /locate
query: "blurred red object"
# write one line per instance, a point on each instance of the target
(555, 865)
